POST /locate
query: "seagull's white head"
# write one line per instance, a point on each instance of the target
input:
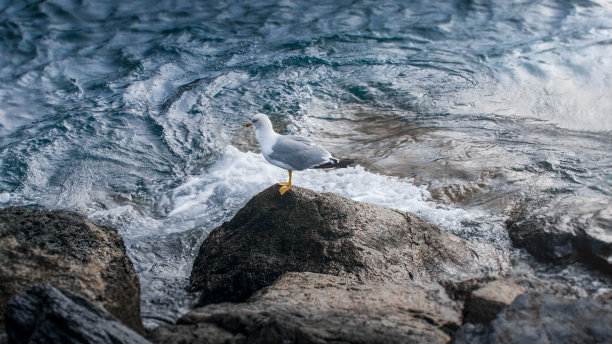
(260, 121)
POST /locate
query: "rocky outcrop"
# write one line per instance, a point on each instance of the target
(484, 298)
(316, 308)
(313, 268)
(544, 319)
(44, 314)
(316, 268)
(68, 251)
(328, 234)
(490, 299)
(564, 230)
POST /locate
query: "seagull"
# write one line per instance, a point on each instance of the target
(290, 152)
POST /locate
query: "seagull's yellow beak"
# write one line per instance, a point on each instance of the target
(246, 125)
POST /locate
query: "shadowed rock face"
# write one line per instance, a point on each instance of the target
(44, 314)
(67, 251)
(552, 231)
(544, 319)
(325, 233)
(487, 301)
(484, 298)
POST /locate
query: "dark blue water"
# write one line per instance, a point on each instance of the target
(130, 112)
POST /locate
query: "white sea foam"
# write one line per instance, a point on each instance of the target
(5, 197)
(131, 221)
(237, 176)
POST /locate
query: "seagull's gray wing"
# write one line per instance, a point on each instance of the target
(298, 152)
(299, 139)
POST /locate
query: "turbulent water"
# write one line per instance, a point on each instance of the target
(130, 112)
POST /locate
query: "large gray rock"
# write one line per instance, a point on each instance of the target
(316, 308)
(68, 251)
(325, 233)
(544, 319)
(564, 230)
(44, 314)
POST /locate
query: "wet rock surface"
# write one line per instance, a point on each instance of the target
(544, 319)
(66, 250)
(564, 230)
(44, 314)
(325, 233)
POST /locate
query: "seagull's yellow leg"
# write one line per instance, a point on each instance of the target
(285, 186)
(286, 183)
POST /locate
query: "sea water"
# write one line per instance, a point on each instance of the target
(457, 111)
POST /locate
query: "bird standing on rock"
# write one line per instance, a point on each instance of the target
(290, 152)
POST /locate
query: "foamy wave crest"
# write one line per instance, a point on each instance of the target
(5, 197)
(237, 176)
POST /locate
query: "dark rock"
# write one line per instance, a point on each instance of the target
(544, 319)
(44, 314)
(490, 299)
(564, 230)
(325, 233)
(484, 298)
(604, 297)
(68, 251)
(316, 308)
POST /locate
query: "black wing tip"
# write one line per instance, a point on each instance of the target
(336, 163)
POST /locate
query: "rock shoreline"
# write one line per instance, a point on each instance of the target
(66, 250)
(300, 268)
(325, 233)
(553, 231)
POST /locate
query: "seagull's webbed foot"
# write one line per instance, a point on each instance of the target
(285, 186)
(284, 189)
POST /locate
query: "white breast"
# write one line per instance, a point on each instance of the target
(266, 140)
